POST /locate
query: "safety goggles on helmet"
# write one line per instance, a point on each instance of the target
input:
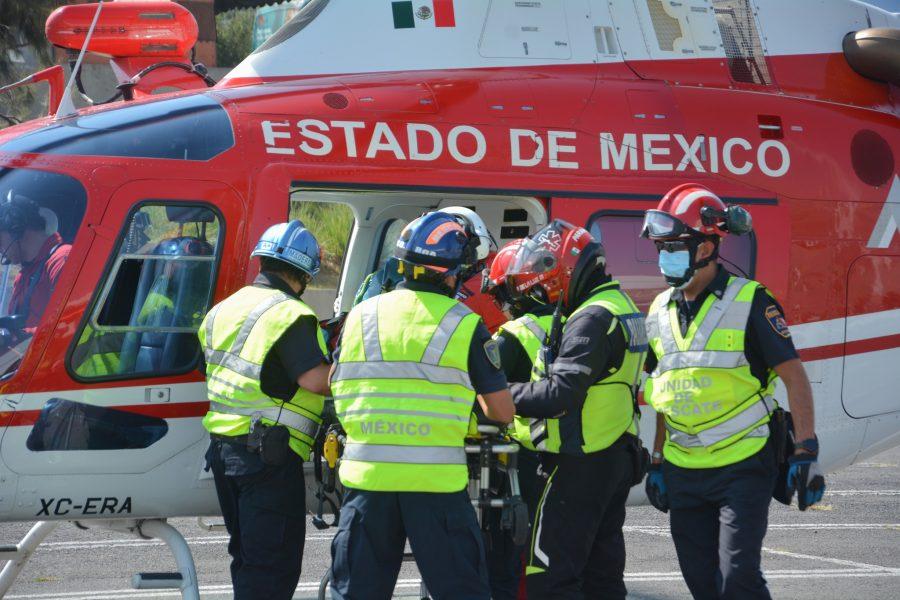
(659, 224)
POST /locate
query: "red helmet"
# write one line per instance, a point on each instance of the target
(546, 263)
(495, 279)
(688, 210)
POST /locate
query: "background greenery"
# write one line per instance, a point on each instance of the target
(22, 32)
(234, 36)
(332, 225)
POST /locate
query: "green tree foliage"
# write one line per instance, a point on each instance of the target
(234, 36)
(22, 34)
(332, 225)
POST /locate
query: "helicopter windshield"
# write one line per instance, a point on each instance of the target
(40, 213)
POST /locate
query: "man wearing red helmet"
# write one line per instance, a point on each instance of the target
(519, 341)
(718, 345)
(581, 410)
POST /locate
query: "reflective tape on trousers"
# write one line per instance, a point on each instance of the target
(275, 414)
(401, 370)
(733, 426)
(415, 455)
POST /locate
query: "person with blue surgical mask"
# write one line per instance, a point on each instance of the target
(719, 345)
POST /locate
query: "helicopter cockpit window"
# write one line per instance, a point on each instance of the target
(40, 213)
(145, 320)
(183, 128)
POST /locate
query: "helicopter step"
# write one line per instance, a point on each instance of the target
(185, 580)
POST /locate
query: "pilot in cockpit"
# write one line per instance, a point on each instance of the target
(29, 238)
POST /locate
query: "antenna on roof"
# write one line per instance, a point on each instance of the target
(66, 105)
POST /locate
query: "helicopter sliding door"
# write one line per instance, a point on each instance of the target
(118, 390)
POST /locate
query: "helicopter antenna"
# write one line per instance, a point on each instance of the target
(66, 105)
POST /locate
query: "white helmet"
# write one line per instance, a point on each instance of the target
(485, 240)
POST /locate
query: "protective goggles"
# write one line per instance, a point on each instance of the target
(659, 224)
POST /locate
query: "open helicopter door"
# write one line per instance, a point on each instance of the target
(117, 390)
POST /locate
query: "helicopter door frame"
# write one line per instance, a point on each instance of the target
(178, 400)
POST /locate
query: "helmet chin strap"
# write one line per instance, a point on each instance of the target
(679, 283)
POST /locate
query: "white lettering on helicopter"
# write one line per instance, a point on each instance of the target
(653, 147)
(468, 145)
(108, 505)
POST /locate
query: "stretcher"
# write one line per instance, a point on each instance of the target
(492, 459)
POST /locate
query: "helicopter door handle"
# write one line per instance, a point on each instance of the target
(157, 394)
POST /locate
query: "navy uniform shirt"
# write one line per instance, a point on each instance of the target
(588, 352)
(768, 339)
(486, 377)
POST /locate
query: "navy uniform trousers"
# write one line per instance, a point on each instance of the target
(443, 533)
(718, 520)
(265, 513)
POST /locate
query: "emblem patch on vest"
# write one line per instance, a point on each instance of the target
(776, 320)
(492, 351)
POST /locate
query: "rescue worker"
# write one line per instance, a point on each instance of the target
(267, 376)
(519, 340)
(29, 239)
(582, 411)
(408, 369)
(719, 343)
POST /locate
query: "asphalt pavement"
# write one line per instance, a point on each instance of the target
(849, 547)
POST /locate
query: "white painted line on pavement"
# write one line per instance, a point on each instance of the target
(414, 583)
(836, 561)
(862, 493)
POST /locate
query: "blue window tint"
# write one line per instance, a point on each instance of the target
(68, 425)
(187, 128)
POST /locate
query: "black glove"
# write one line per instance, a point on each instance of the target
(805, 477)
(656, 488)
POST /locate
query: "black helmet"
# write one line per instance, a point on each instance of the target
(18, 213)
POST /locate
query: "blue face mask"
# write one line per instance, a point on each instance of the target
(675, 265)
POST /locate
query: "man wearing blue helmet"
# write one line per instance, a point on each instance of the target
(266, 379)
(410, 365)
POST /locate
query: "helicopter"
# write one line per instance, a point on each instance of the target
(583, 110)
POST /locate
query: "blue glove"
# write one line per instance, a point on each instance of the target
(805, 477)
(656, 488)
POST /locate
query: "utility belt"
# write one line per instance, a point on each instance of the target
(631, 443)
(270, 442)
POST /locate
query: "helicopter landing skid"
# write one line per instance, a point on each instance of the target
(184, 580)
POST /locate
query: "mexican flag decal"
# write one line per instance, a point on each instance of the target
(423, 13)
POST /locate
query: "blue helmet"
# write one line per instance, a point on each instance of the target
(436, 241)
(292, 243)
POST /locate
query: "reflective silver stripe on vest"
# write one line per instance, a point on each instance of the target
(398, 396)
(445, 330)
(713, 359)
(724, 313)
(255, 315)
(535, 329)
(209, 330)
(652, 324)
(368, 320)
(406, 413)
(538, 432)
(233, 362)
(231, 359)
(262, 401)
(415, 455)
(401, 370)
(286, 417)
(733, 426)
